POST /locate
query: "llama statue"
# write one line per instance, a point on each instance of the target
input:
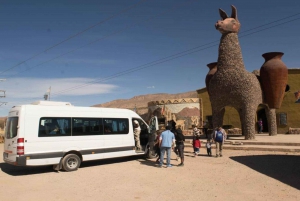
(232, 85)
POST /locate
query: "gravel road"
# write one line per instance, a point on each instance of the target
(238, 175)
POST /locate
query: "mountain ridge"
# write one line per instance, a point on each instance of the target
(141, 101)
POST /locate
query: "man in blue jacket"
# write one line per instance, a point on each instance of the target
(219, 137)
(166, 142)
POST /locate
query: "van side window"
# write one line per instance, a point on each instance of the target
(116, 126)
(87, 126)
(54, 126)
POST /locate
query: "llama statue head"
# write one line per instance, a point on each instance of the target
(228, 24)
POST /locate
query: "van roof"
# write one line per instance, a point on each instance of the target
(51, 103)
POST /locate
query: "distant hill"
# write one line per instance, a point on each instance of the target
(141, 101)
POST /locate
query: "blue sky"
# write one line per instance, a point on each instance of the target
(134, 47)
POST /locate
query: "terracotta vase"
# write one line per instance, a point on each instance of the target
(212, 70)
(273, 77)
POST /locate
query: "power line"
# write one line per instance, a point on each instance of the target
(272, 22)
(271, 26)
(127, 27)
(175, 56)
(171, 57)
(106, 36)
(162, 60)
(75, 35)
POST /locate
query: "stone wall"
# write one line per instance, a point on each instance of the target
(234, 131)
(294, 131)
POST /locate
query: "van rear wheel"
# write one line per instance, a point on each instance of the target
(71, 162)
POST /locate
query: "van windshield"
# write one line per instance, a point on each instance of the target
(11, 127)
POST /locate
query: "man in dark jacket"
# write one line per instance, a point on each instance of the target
(179, 138)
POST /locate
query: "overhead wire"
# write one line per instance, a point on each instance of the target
(106, 36)
(171, 57)
(75, 35)
(156, 62)
(177, 55)
(127, 27)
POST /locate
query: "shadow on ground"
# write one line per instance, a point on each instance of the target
(284, 168)
(21, 171)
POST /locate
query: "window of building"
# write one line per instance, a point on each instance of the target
(282, 119)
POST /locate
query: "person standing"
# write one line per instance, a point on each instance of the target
(205, 128)
(219, 138)
(260, 125)
(157, 149)
(137, 132)
(166, 141)
(196, 131)
(180, 145)
(196, 145)
(176, 147)
(173, 124)
(208, 147)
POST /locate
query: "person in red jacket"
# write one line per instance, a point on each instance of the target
(196, 145)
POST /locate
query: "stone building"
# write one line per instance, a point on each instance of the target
(185, 111)
(287, 117)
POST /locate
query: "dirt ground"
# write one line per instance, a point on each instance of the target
(238, 175)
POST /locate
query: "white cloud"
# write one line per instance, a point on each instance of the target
(151, 87)
(37, 87)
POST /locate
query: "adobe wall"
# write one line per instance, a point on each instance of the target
(185, 112)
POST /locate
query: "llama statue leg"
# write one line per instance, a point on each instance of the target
(242, 120)
(271, 117)
(218, 115)
(248, 123)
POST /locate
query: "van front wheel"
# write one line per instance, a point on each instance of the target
(71, 162)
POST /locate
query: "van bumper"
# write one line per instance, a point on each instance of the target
(20, 161)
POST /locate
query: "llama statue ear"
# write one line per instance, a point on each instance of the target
(223, 14)
(234, 12)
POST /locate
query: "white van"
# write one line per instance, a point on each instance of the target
(62, 135)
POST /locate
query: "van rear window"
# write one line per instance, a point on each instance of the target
(11, 127)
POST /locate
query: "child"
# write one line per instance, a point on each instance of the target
(196, 131)
(208, 147)
(196, 145)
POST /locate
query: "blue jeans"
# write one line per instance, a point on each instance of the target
(162, 154)
(260, 129)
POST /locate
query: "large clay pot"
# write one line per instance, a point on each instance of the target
(212, 70)
(274, 77)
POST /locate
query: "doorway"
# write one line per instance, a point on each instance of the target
(261, 114)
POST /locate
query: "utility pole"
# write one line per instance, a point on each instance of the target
(2, 94)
